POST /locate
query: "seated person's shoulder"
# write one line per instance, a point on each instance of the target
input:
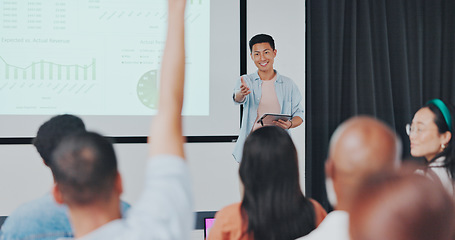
(230, 213)
(41, 216)
(319, 212)
(230, 209)
(124, 208)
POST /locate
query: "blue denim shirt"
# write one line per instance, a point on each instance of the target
(42, 219)
(288, 96)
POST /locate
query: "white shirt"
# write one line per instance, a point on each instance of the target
(443, 175)
(335, 226)
(164, 210)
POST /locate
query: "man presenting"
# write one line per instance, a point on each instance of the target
(265, 91)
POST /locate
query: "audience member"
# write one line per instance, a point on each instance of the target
(86, 174)
(402, 206)
(43, 218)
(273, 205)
(431, 137)
(360, 147)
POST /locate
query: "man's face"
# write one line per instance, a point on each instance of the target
(263, 55)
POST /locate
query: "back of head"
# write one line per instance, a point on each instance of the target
(444, 118)
(85, 168)
(269, 160)
(360, 147)
(262, 38)
(402, 205)
(273, 201)
(52, 132)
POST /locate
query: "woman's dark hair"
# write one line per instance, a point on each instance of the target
(273, 203)
(440, 121)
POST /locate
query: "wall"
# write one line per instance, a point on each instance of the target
(214, 172)
(24, 177)
(285, 21)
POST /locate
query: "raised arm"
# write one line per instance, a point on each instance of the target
(166, 131)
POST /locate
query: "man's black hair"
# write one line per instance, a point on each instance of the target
(84, 168)
(52, 132)
(262, 38)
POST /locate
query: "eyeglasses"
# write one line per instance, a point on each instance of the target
(414, 129)
(410, 129)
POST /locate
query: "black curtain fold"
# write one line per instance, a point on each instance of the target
(383, 58)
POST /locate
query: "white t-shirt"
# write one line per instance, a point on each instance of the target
(437, 168)
(164, 210)
(335, 226)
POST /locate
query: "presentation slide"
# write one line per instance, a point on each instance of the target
(101, 60)
(96, 57)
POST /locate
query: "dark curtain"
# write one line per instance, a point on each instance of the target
(383, 58)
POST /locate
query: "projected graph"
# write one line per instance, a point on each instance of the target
(45, 70)
(147, 89)
(96, 57)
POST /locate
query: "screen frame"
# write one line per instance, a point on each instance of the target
(138, 138)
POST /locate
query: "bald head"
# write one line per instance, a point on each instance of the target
(364, 145)
(402, 206)
(360, 147)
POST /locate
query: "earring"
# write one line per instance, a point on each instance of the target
(443, 146)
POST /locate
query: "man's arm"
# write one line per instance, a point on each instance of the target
(293, 123)
(296, 121)
(239, 96)
(296, 109)
(165, 209)
(166, 132)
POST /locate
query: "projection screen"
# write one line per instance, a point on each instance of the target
(101, 60)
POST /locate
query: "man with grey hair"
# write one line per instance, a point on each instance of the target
(360, 147)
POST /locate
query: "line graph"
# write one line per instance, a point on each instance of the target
(46, 70)
(94, 57)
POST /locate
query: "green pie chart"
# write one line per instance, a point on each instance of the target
(147, 89)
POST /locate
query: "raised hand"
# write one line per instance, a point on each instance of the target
(244, 89)
(166, 133)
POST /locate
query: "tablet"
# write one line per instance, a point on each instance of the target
(268, 118)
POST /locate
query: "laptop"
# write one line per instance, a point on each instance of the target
(208, 224)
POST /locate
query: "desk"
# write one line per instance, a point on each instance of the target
(197, 234)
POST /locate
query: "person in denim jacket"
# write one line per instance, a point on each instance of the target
(43, 218)
(265, 91)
